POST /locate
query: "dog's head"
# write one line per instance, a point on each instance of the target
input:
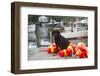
(55, 33)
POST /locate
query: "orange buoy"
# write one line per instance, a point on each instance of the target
(69, 50)
(51, 49)
(81, 53)
(62, 53)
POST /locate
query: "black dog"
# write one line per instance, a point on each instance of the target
(60, 41)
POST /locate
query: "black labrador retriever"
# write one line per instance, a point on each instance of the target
(60, 41)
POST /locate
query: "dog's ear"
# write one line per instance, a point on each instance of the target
(55, 32)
